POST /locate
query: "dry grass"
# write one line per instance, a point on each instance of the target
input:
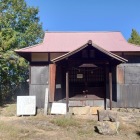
(65, 122)
(88, 132)
(8, 110)
(55, 127)
(12, 132)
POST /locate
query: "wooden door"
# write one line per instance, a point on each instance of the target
(88, 82)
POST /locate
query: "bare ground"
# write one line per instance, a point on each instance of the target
(57, 127)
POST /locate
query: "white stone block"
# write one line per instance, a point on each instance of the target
(58, 108)
(26, 105)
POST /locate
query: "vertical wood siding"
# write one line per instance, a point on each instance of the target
(128, 86)
(39, 83)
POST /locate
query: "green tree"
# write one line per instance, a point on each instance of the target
(135, 37)
(19, 27)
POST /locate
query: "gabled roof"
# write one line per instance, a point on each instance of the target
(68, 41)
(112, 55)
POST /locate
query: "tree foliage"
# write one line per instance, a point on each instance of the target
(135, 37)
(19, 27)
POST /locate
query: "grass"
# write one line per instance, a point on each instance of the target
(65, 122)
(76, 128)
(87, 129)
(125, 126)
(9, 131)
(8, 110)
(55, 127)
(86, 132)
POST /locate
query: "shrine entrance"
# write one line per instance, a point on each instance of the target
(87, 82)
(88, 73)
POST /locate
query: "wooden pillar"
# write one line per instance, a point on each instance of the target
(110, 89)
(52, 78)
(106, 86)
(67, 91)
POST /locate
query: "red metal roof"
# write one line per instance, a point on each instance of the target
(112, 55)
(69, 41)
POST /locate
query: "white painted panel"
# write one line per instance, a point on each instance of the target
(46, 101)
(58, 108)
(26, 105)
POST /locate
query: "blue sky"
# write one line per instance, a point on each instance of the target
(89, 15)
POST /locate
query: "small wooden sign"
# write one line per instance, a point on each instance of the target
(26, 105)
(79, 76)
(58, 86)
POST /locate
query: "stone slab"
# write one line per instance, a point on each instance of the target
(93, 110)
(81, 110)
(108, 128)
(26, 105)
(46, 101)
(58, 108)
(109, 115)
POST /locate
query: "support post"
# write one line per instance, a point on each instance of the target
(110, 89)
(67, 91)
(52, 78)
(46, 102)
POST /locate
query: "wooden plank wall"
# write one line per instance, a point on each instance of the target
(39, 83)
(128, 86)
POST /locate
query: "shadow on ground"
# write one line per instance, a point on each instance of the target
(138, 133)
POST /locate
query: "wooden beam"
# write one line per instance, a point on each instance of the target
(110, 89)
(67, 91)
(52, 78)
